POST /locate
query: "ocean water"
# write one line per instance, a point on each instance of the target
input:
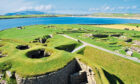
(10, 23)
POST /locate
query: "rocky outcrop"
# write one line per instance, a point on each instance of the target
(74, 73)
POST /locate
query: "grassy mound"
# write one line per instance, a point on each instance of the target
(124, 71)
(19, 61)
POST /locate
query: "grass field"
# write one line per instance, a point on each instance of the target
(119, 70)
(108, 68)
(23, 37)
(113, 43)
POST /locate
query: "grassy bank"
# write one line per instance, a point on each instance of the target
(121, 70)
(25, 16)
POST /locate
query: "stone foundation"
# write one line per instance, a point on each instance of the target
(74, 73)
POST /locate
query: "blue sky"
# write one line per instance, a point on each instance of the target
(71, 6)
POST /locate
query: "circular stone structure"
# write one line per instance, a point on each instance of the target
(22, 47)
(39, 53)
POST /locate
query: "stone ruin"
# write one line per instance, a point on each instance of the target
(129, 40)
(20, 27)
(130, 53)
(68, 48)
(22, 47)
(74, 72)
(2, 55)
(100, 35)
(88, 35)
(40, 53)
(136, 49)
(84, 76)
(51, 26)
(42, 39)
(116, 35)
(137, 42)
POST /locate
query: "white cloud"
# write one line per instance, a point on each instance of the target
(7, 6)
(108, 8)
(128, 7)
(12, 6)
(93, 9)
(104, 8)
(36, 8)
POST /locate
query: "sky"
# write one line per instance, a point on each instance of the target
(71, 6)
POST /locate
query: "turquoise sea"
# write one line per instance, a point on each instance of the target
(10, 23)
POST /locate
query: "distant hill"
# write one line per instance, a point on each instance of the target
(25, 13)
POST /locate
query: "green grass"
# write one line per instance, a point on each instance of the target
(107, 42)
(31, 16)
(26, 66)
(108, 68)
(25, 16)
(125, 70)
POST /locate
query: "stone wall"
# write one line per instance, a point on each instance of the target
(58, 77)
(74, 73)
(84, 76)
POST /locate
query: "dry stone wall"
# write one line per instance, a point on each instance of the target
(73, 73)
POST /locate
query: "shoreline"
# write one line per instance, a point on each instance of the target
(110, 17)
(136, 18)
(27, 17)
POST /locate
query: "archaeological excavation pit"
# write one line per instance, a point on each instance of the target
(42, 39)
(68, 48)
(39, 53)
(22, 47)
(75, 72)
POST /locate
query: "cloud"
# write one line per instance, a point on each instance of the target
(36, 8)
(128, 7)
(94, 9)
(108, 8)
(12, 6)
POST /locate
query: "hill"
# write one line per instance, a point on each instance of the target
(25, 13)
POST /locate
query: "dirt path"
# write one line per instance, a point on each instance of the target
(78, 48)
